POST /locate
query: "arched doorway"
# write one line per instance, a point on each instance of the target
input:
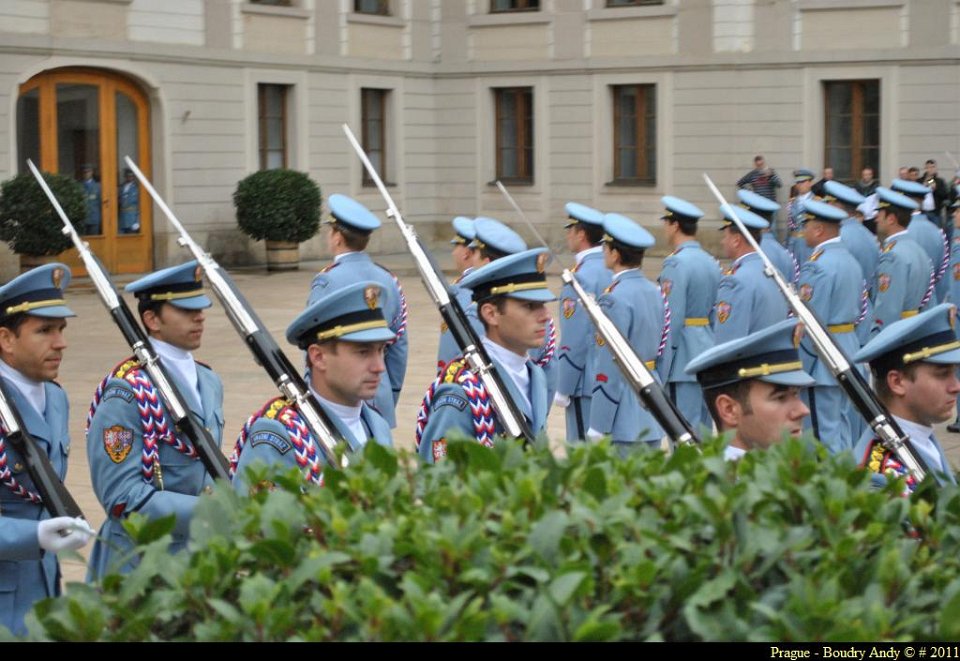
(82, 122)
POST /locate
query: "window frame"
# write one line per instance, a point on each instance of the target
(617, 4)
(263, 147)
(517, 6)
(858, 115)
(646, 97)
(524, 145)
(383, 8)
(366, 180)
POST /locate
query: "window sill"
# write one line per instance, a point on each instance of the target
(375, 19)
(808, 5)
(508, 18)
(622, 183)
(274, 10)
(617, 13)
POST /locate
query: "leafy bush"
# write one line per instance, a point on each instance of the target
(510, 545)
(28, 221)
(278, 205)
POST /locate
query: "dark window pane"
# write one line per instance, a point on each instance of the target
(635, 133)
(28, 128)
(514, 5)
(381, 7)
(272, 123)
(852, 126)
(514, 139)
(373, 120)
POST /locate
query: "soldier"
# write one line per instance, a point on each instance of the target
(463, 257)
(345, 336)
(752, 386)
(904, 273)
(832, 286)
(491, 241)
(32, 321)
(802, 183)
(861, 243)
(638, 309)
(584, 239)
(689, 280)
(914, 363)
(928, 234)
(92, 194)
(747, 300)
(137, 462)
(780, 256)
(511, 295)
(129, 204)
(351, 225)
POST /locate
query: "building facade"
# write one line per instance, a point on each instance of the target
(612, 103)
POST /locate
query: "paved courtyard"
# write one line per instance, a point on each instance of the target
(95, 345)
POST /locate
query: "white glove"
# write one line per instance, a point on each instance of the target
(64, 533)
(594, 435)
(563, 401)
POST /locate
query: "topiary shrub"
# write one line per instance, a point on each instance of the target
(278, 205)
(505, 544)
(29, 223)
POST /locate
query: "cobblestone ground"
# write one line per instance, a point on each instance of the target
(95, 345)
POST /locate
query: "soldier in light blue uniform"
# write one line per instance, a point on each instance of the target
(345, 335)
(32, 320)
(780, 256)
(638, 309)
(861, 243)
(914, 363)
(747, 300)
(752, 386)
(511, 296)
(351, 225)
(803, 183)
(831, 284)
(491, 241)
(137, 462)
(464, 256)
(904, 282)
(93, 195)
(584, 239)
(931, 238)
(689, 280)
(129, 219)
(954, 277)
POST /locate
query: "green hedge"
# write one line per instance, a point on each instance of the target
(28, 221)
(512, 545)
(278, 205)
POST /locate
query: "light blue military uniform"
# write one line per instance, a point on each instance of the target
(903, 272)
(831, 284)
(92, 194)
(636, 307)
(575, 326)
(129, 219)
(457, 402)
(465, 234)
(352, 267)
(796, 243)
(862, 244)
(953, 275)
(689, 279)
(928, 337)
(125, 474)
(27, 573)
(273, 435)
(768, 355)
(747, 300)
(931, 238)
(780, 256)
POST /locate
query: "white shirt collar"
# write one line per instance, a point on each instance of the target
(893, 236)
(32, 391)
(732, 453)
(337, 258)
(835, 239)
(921, 438)
(616, 276)
(589, 251)
(349, 415)
(515, 365)
(182, 364)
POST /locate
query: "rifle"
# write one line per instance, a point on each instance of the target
(850, 379)
(639, 378)
(264, 348)
(207, 449)
(474, 353)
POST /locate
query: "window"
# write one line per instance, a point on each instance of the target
(851, 127)
(272, 123)
(275, 3)
(632, 3)
(514, 5)
(379, 7)
(373, 112)
(514, 134)
(634, 134)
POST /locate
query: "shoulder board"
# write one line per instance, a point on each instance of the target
(124, 367)
(329, 267)
(273, 408)
(386, 269)
(451, 374)
(889, 246)
(202, 364)
(816, 254)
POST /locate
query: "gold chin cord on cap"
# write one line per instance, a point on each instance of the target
(767, 369)
(172, 296)
(926, 352)
(338, 331)
(523, 286)
(33, 305)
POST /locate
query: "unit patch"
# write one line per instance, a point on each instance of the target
(123, 393)
(438, 449)
(276, 441)
(666, 286)
(806, 292)
(117, 441)
(723, 311)
(458, 403)
(883, 282)
(569, 306)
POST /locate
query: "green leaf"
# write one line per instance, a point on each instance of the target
(381, 457)
(565, 586)
(546, 534)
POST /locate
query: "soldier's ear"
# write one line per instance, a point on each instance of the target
(728, 410)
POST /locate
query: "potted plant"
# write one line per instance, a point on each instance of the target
(28, 222)
(281, 207)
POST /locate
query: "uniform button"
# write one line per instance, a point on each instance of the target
(66, 450)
